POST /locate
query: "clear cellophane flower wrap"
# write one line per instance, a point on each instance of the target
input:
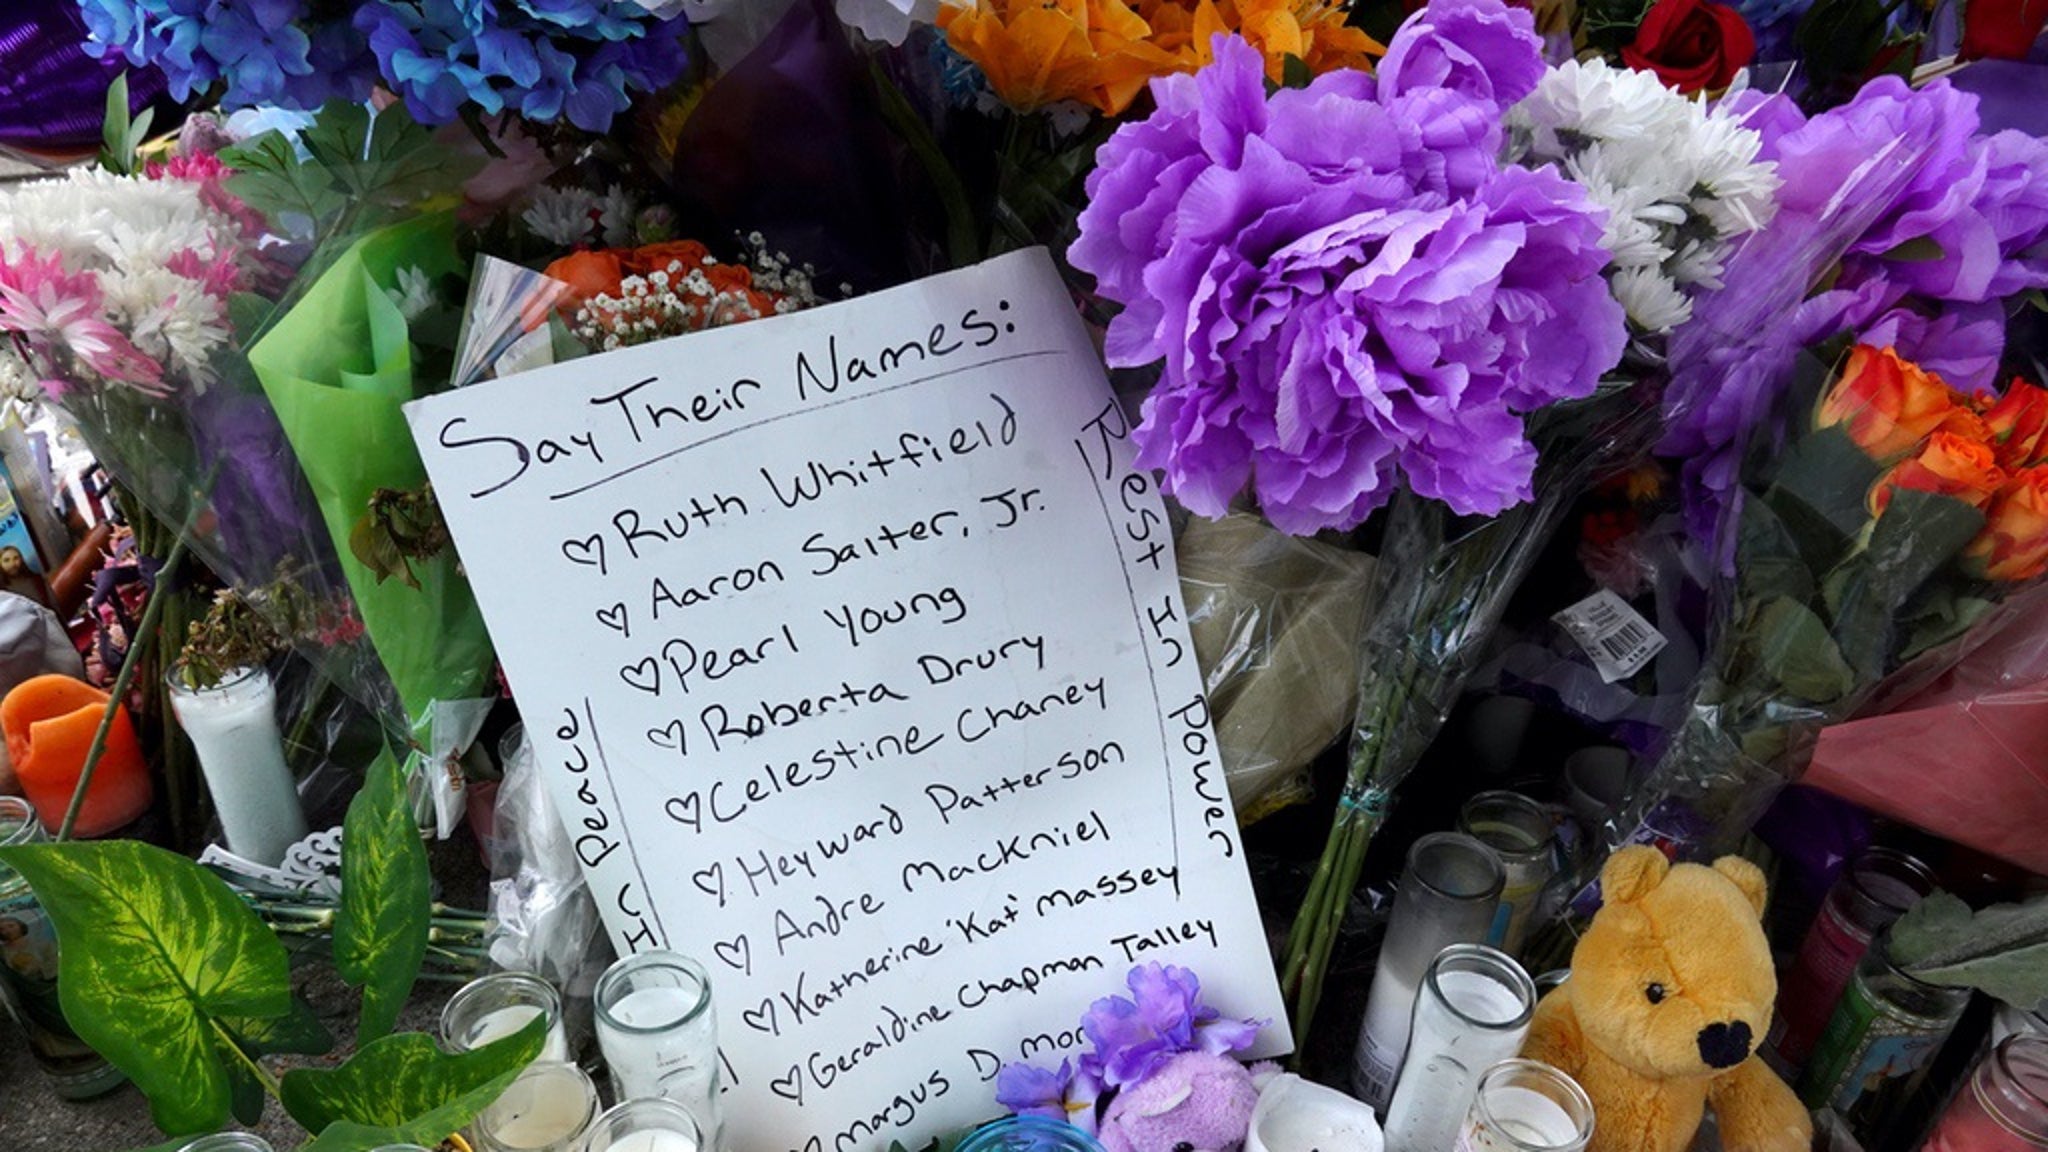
(1884, 518)
(1271, 614)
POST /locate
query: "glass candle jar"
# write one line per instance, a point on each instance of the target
(547, 1109)
(1519, 830)
(228, 1142)
(1527, 1106)
(1472, 1013)
(2004, 1105)
(1874, 1052)
(28, 969)
(233, 728)
(495, 1006)
(1447, 896)
(645, 1126)
(1028, 1134)
(1875, 889)
(659, 1032)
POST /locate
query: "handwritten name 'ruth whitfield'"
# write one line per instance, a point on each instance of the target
(665, 412)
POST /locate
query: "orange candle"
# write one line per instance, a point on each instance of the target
(49, 722)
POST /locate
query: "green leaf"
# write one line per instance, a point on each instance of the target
(115, 155)
(380, 931)
(1793, 648)
(298, 1032)
(1294, 72)
(406, 1083)
(1918, 250)
(155, 950)
(2002, 950)
(271, 178)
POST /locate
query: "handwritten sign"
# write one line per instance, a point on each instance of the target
(852, 647)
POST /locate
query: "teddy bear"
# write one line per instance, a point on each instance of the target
(1670, 993)
(1196, 1102)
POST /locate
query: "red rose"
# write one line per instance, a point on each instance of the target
(2002, 29)
(1692, 44)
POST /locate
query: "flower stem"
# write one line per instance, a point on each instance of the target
(138, 651)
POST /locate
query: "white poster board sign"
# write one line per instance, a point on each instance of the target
(852, 648)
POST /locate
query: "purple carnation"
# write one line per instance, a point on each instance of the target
(1476, 48)
(1344, 285)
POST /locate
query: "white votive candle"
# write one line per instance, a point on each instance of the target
(546, 1109)
(1297, 1115)
(659, 1033)
(650, 1125)
(493, 1007)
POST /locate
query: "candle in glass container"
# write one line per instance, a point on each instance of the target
(493, 1007)
(652, 1125)
(1474, 1012)
(228, 1142)
(233, 728)
(2004, 1105)
(1519, 830)
(547, 1109)
(659, 1032)
(1876, 889)
(1527, 1106)
(1447, 896)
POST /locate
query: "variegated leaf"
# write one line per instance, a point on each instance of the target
(380, 934)
(153, 951)
(406, 1083)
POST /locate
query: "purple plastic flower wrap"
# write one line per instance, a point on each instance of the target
(790, 144)
(53, 93)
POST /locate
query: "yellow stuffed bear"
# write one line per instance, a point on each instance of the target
(1670, 994)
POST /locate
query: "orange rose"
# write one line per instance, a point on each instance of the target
(2014, 543)
(1889, 405)
(657, 257)
(1950, 465)
(2019, 425)
(588, 274)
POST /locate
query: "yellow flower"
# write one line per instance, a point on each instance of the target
(1103, 52)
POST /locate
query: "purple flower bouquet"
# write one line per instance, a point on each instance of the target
(1356, 302)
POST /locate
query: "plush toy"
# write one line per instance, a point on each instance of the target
(1196, 1102)
(1670, 993)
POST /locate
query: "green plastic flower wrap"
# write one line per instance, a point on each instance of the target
(338, 367)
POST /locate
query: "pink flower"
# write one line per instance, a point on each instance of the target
(40, 300)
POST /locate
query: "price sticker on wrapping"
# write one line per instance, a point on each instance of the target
(853, 651)
(1615, 636)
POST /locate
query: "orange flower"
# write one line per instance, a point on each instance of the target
(1103, 52)
(2019, 425)
(1040, 52)
(2014, 543)
(1889, 405)
(588, 273)
(1312, 31)
(657, 257)
(1949, 465)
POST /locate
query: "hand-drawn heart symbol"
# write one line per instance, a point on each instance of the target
(736, 953)
(669, 736)
(711, 881)
(614, 618)
(790, 1087)
(646, 676)
(588, 551)
(761, 1018)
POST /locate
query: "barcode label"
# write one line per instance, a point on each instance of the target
(1614, 635)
